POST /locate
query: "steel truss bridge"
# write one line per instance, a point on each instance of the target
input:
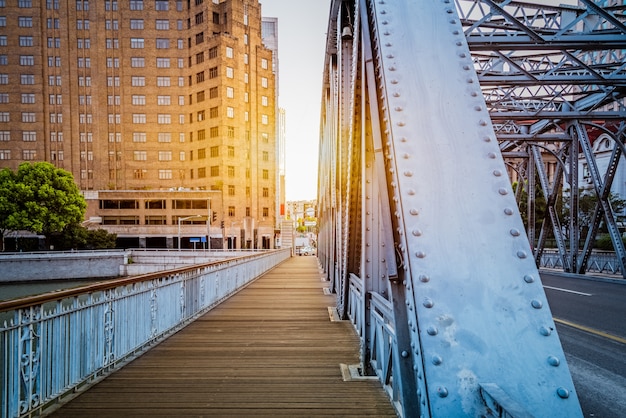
(429, 109)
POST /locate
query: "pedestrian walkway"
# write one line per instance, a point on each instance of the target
(269, 351)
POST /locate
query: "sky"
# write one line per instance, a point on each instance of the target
(302, 26)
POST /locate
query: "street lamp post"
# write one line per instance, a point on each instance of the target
(179, 222)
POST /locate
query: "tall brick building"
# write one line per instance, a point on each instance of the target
(127, 95)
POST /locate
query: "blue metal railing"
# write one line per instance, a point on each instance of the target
(54, 344)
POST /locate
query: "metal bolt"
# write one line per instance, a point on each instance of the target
(537, 304)
(554, 361)
(529, 279)
(442, 392)
(437, 360)
(562, 392)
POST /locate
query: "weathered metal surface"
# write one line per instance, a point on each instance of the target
(447, 285)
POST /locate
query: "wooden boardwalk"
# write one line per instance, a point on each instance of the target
(269, 351)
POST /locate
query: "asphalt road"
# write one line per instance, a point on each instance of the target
(591, 323)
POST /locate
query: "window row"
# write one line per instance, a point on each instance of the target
(27, 155)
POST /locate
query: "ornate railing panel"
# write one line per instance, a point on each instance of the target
(53, 344)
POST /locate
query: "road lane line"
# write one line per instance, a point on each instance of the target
(568, 291)
(590, 330)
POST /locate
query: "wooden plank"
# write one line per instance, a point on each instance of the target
(269, 351)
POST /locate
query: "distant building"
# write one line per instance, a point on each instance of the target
(159, 95)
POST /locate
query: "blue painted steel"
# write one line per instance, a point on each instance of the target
(446, 294)
(51, 347)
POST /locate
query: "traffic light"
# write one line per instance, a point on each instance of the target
(214, 217)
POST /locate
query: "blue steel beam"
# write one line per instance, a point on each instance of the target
(448, 277)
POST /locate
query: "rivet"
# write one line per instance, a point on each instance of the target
(508, 211)
(437, 360)
(455, 32)
(417, 232)
(470, 81)
(465, 67)
(449, 11)
(492, 155)
(406, 156)
(503, 191)
(515, 232)
(405, 354)
(442, 392)
(563, 393)
(453, 21)
(554, 361)
(414, 212)
(408, 173)
(482, 122)
(401, 123)
(537, 304)
(394, 81)
(396, 94)
(420, 254)
(529, 279)
(497, 173)
(473, 94)
(428, 303)
(403, 139)
(545, 331)
(424, 278)
(390, 56)
(392, 68)
(388, 44)
(432, 330)
(487, 139)
(411, 192)
(386, 33)
(522, 254)
(462, 55)
(383, 12)
(478, 108)
(398, 109)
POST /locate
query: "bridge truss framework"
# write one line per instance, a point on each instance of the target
(428, 107)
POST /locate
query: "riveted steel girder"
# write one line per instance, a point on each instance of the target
(454, 319)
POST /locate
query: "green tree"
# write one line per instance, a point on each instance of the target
(76, 236)
(8, 203)
(46, 199)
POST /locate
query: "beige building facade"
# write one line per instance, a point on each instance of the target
(140, 96)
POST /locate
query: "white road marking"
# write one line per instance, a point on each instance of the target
(568, 291)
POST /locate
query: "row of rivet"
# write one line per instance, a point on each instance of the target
(412, 326)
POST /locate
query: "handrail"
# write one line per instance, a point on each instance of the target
(53, 344)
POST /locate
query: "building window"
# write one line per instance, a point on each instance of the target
(162, 43)
(165, 137)
(200, 77)
(162, 24)
(165, 155)
(264, 119)
(165, 174)
(230, 72)
(229, 52)
(264, 82)
(230, 92)
(213, 112)
(266, 192)
(136, 4)
(231, 190)
(136, 43)
(202, 153)
(231, 171)
(136, 24)
(230, 112)
(25, 22)
(231, 211)
(266, 212)
(163, 100)
(214, 132)
(265, 174)
(202, 172)
(200, 96)
(199, 38)
(137, 81)
(163, 63)
(5, 154)
(25, 41)
(139, 137)
(28, 117)
(4, 117)
(29, 136)
(4, 79)
(213, 72)
(137, 62)
(29, 98)
(264, 63)
(215, 152)
(213, 52)
(27, 60)
(140, 155)
(264, 101)
(163, 81)
(231, 151)
(213, 93)
(162, 5)
(139, 100)
(215, 171)
(230, 131)
(29, 155)
(139, 118)
(164, 119)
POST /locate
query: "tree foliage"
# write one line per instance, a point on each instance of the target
(40, 198)
(77, 237)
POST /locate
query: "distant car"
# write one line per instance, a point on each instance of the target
(307, 251)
